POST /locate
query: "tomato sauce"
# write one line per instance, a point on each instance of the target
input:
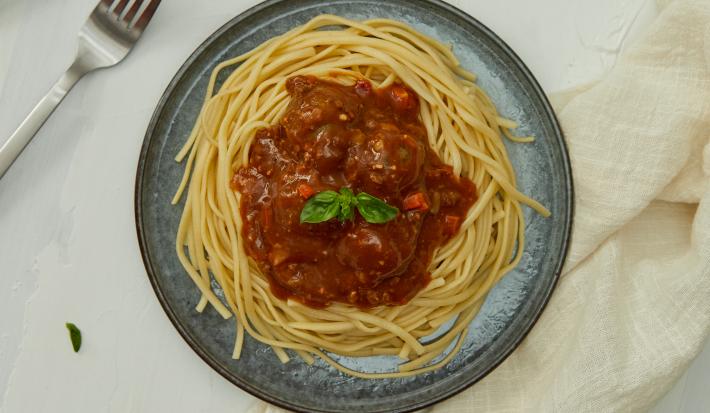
(366, 139)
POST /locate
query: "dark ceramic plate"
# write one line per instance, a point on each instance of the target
(511, 308)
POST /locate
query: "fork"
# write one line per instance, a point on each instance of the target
(106, 38)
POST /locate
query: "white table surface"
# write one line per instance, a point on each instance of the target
(68, 248)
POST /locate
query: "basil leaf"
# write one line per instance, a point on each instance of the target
(321, 207)
(374, 210)
(346, 192)
(347, 212)
(75, 336)
(346, 200)
(326, 196)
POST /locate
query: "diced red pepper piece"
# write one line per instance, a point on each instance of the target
(451, 224)
(306, 191)
(416, 201)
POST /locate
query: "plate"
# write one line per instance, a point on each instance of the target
(510, 310)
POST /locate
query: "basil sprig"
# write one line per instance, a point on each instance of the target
(330, 204)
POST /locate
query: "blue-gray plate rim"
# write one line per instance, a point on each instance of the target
(511, 309)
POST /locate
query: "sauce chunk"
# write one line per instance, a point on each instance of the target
(366, 139)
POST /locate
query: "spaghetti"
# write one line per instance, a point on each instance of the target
(462, 127)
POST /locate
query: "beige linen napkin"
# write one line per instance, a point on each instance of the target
(633, 307)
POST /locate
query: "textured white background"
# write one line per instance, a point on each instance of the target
(68, 249)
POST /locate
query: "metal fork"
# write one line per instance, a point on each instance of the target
(106, 38)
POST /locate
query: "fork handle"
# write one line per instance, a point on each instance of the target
(24, 133)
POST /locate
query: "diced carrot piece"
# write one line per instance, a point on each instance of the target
(451, 224)
(305, 190)
(416, 201)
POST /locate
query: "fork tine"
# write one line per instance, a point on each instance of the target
(119, 7)
(146, 15)
(106, 3)
(132, 11)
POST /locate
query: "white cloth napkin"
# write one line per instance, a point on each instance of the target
(633, 308)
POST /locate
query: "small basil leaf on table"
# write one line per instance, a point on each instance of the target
(74, 336)
(375, 210)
